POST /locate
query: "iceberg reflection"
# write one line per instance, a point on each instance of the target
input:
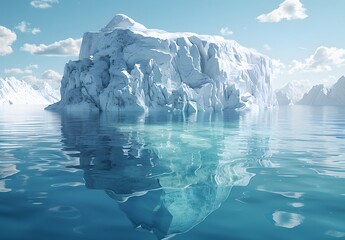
(166, 173)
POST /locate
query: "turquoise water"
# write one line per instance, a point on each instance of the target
(273, 175)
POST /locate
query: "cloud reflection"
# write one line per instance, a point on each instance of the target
(6, 170)
(287, 220)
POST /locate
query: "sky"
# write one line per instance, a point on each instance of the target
(304, 38)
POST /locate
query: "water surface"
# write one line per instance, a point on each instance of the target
(274, 175)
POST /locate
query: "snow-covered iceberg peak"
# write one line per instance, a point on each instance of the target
(14, 91)
(292, 92)
(122, 21)
(320, 95)
(127, 67)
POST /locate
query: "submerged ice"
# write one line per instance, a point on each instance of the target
(127, 67)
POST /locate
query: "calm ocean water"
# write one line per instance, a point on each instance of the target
(273, 175)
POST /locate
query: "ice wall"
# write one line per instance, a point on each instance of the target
(127, 67)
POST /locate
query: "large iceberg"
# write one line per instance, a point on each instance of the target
(320, 95)
(14, 91)
(127, 67)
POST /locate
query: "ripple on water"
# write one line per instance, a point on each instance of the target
(335, 234)
(65, 212)
(68, 184)
(297, 204)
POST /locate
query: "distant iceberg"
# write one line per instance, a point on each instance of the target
(14, 91)
(292, 92)
(320, 95)
(127, 67)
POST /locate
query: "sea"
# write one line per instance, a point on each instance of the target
(273, 174)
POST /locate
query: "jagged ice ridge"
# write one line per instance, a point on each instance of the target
(320, 95)
(14, 91)
(127, 67)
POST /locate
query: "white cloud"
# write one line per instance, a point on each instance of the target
(35, 31)
(22, 26)
(67, 47)
(51, 75)
(30, 79)
(324, 59)
(277, 68)
(330, 80)
(267, 47)
(278, 63)
(289, 10)
(25, 27)
(43, 3)
(32, 66)
(225, 31)
(7, 37)
(17, 71)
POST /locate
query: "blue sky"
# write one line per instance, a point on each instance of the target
(305, 38)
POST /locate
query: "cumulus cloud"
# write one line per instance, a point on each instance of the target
(67, 47)
(31, 80)
(330, 80)
(324, 59)
(49, 76)
(277, 63)
(277, 68)
(7, 37)
(32, 66)
(43, 3)
(225, 31)
(25, 27)
(19, 71)
(22, 26)
(35, 31)
(267, 47)
(289, 10)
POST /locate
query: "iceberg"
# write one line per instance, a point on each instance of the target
(292, 92)
(14, 91)
(320, 95)
(128, 67)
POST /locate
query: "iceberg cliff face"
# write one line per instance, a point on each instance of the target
(127, 67)
(14, 91)
(320, 95)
